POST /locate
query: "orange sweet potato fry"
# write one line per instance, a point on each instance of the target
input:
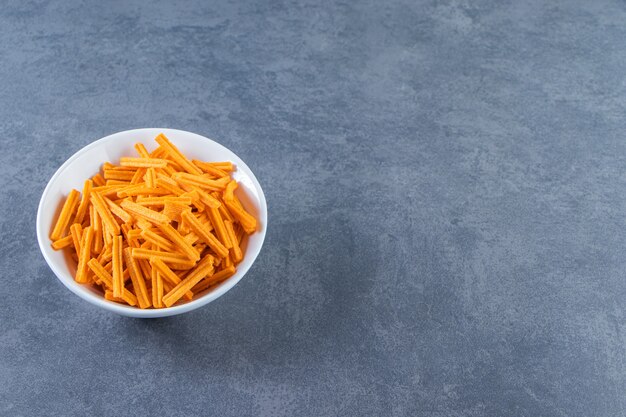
(201, 270)
(139, 283)
(76, 231)
(173, 152)
(64, 217)
(144, 212)
(118, 266)
(150, 178)
(105, 214)
(199, 181)
(209, 169)
(235, 250)
(214, 279)
(118, 211)
(160, 201)
(228, 191)
(85, 256)
(84, 202)
(64, 242)
(118, 174)
(141, 189)
(218, 225)
(225, 213)
(167, 185)
(246, 219)
(169, 257)
(98, 180)
(141, 150)
(143, 162)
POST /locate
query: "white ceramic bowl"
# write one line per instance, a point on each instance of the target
(87, 162)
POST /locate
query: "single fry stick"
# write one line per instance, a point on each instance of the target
(108, 190)
(218, 225)
(227, 262)
(64, 217)
(228, 191)
(167, 185)
(141, 150)
(85, 255)
(160, 201)
(139, 283)
(159, 289)
(145, 267)
(116, 174)
(173, 235)
(109, 166)
(209, 169)
(202, 269)
(84, 202)
(107, 237)
(142, 162)
(144, 212)
(246, 219)
(98, 180)
(207, 237)
(181, 266)
(118, 266)
(150, 177)
(224, 166)
(117, 182)
(105, 214)
(173, 152)
(118, 211)
(235, 250)
(216, 278)
(199, 181)
(64, 242)
(141, 190)
(76, 231)
(168, 257)
(225, 213)
(158, 241)
(108, 295)
(159, 152)
(156, 302)
(98, 230)
(106, 278)
(167, 274)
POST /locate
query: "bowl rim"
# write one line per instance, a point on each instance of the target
(92, 298)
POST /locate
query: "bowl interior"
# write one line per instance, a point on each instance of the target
(87, 162)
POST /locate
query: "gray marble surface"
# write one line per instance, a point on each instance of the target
(446, 186)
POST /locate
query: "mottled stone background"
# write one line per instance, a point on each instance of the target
(446, 186)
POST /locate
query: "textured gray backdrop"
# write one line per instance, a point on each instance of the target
(446, 190)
